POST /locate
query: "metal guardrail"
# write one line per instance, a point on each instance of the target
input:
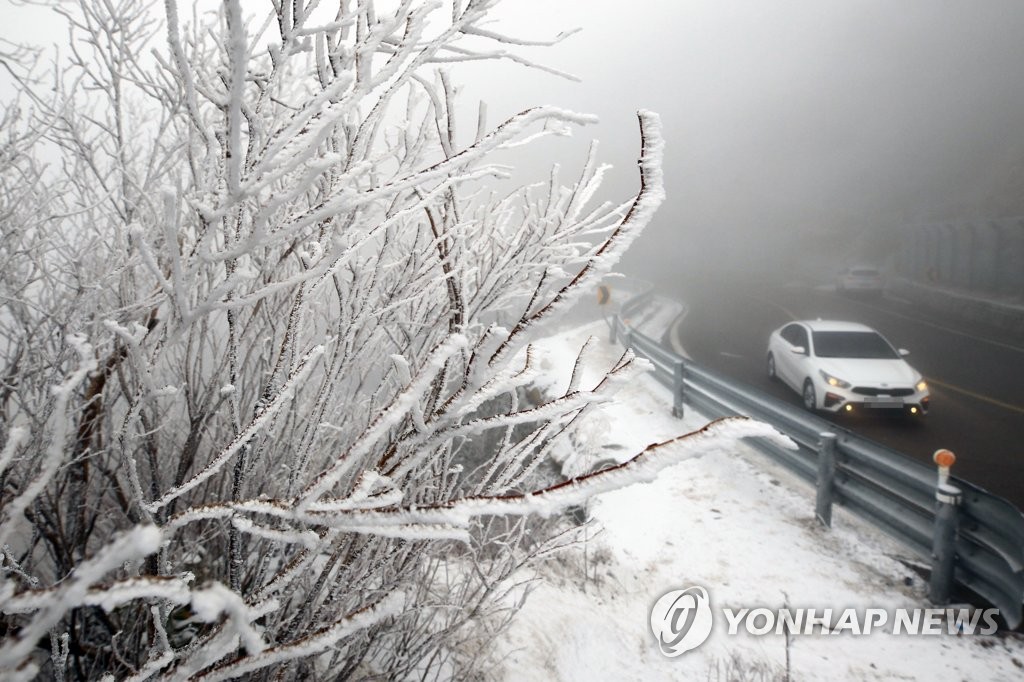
(973, 539)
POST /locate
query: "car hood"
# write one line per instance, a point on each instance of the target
(870, 372)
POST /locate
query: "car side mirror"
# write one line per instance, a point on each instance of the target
(903, 351)
(799, 350)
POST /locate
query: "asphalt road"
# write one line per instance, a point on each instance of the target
(976, 375)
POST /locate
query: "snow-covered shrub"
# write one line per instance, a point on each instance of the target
(250, 318)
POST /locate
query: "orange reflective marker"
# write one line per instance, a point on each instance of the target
(944, 458)
(603, 294)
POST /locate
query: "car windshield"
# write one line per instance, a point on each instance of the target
(866, 345)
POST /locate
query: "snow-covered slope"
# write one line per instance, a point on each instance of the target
(743, 529)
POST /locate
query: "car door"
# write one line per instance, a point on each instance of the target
(801, 361)
(793, 336)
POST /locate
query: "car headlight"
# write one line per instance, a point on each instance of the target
(833, 381)
(921, 386)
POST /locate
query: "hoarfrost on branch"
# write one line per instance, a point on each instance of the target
(259, 338)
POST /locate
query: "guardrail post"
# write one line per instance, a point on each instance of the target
(678, 388)
(826, 478)
(611, 333)
(944, 543)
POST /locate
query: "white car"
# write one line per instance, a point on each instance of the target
(844, 366)
(860, 279)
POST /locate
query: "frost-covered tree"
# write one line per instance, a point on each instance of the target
(264, 343)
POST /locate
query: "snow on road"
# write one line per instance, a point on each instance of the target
(743, 529)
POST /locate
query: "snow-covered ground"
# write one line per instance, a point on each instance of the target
(743, 529)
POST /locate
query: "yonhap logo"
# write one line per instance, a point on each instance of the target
(681, 620)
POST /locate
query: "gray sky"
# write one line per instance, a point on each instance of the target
(796, 122)
(790, 124)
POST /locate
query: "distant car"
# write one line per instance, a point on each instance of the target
(860, 279)
(844, 366)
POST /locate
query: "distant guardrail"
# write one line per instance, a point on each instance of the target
(971, 538)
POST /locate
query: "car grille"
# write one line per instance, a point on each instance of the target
(894, 392)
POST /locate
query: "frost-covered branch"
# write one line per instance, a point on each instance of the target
(259, 346)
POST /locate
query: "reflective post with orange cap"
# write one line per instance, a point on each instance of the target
(944, 459)
(948, 499)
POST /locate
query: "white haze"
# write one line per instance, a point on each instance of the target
(795, 129)
(797, 124)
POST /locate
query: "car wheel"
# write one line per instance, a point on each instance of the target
(810, 398)
(770, 367)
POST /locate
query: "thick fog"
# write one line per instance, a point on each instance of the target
(800, 133)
